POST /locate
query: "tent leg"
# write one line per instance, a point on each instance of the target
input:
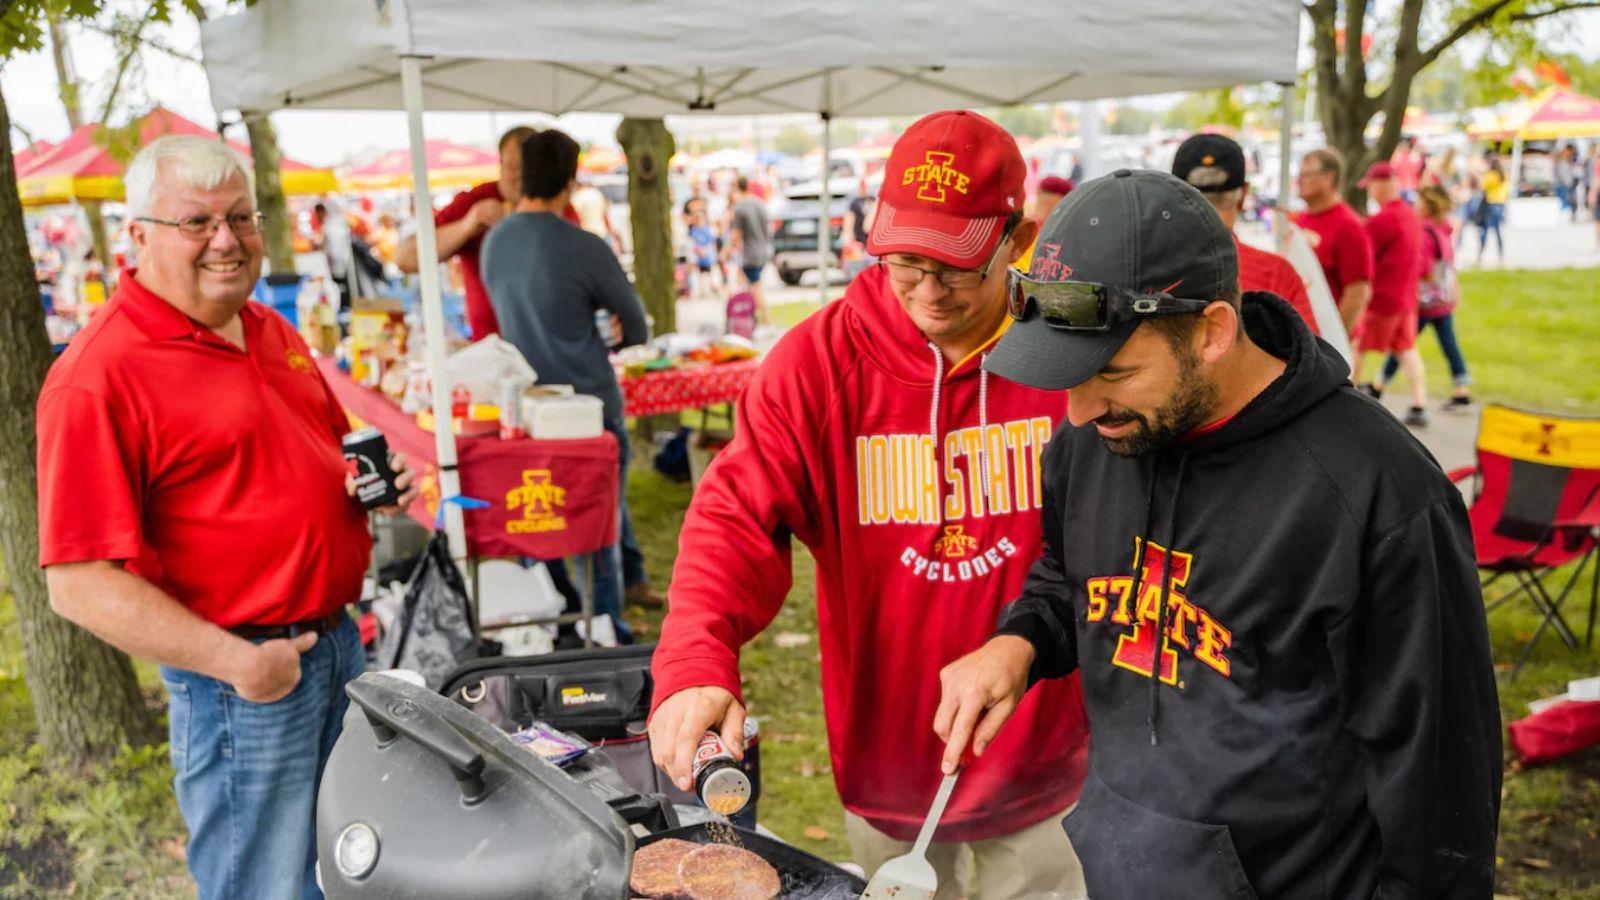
(432, 308)
(824, 232)
(1514, 174)
(1089, 130)
(1280, 217)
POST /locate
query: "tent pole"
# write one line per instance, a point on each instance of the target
(1280, 217)
(1089, 131)
(432, 308)
(824, 232)
(1514, 174)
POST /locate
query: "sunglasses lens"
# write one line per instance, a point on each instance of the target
(1067, 304)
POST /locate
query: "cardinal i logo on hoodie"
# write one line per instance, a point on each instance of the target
(1191, 628)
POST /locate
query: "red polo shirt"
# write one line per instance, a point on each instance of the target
(215, 472)
(480, 314)
(1341, 243)
(1396, 233)
(1263, 271)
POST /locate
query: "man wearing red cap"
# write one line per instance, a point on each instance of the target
(1389, 323)
(872, 435)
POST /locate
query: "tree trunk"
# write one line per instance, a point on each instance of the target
(649, 146)
(85, 696)
(71, 101)
(269, 193)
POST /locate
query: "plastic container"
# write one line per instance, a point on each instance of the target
(282, 293)
(574, 417)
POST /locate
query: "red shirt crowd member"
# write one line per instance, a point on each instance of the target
(1215, 165)
(462, 223)
(1336, 233)
(872, 435)
(1389, 324)
(195, 510)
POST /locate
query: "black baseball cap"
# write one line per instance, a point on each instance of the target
(1213, 151)
(1143, 231)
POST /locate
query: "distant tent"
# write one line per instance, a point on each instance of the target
(1555, 113)
(83, 168)
(449, 165)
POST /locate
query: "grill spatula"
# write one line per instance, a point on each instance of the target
(911, 877)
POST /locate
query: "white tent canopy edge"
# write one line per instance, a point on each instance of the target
(652, 58)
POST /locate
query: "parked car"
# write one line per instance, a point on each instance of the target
(794, 227)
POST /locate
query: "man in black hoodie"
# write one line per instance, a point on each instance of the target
(1266, 584)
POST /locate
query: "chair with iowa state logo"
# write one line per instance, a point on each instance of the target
(1536, 508)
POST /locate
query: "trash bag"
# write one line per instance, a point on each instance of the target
(672, 460)
(436, 629)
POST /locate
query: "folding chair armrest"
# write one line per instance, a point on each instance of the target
(1457, 476)
(1586, 517)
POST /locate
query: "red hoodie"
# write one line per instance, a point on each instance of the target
(835, 444)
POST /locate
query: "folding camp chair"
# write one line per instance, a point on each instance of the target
(1535, 508)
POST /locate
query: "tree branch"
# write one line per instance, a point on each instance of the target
(1554, 10)
(1355, 65)
(1463, 28)
(153, 43)
(127, 59)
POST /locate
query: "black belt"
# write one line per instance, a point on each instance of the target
(321, 625)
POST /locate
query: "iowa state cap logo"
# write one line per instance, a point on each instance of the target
(935, 175)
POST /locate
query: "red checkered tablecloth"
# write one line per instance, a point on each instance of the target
(676, 390)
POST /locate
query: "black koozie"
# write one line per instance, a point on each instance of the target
(367, 454)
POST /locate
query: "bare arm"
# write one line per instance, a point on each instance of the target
(453, 236)
(135, 616)
(1354, 299)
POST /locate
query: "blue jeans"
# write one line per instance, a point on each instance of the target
(1493, 215)
(1445, 327)
(247, 773)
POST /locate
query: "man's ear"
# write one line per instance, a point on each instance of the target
(1022, 237)
(1221, 331)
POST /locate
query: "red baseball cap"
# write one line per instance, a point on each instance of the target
(1376, 171)
(952, 181)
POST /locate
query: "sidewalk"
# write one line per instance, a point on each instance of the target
(1537, 237)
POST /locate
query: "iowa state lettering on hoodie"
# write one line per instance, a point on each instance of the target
(916, 486)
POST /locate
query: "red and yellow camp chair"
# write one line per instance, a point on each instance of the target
(1535, 508)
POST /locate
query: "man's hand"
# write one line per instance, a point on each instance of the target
(486, 213)
(989, 683)
(404, 478)
(683, 719)
(268, 671)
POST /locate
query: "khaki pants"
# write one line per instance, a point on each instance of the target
(1036, 863)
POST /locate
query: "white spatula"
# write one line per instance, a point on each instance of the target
(911, 877)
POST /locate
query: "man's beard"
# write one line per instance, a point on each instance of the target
(1188, 407)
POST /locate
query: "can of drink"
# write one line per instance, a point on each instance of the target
(511, 410)
(366, 453)
(719, 782)
(602, 324)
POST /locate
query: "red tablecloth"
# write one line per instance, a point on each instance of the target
(676, 390)
(547, 499)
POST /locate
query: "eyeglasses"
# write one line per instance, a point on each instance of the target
(201, 228)
(1087, 306)
(953, 279)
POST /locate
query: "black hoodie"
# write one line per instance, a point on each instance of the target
(1326, 721)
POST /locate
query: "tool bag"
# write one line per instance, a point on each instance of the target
(601, 694)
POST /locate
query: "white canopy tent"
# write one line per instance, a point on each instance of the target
(655, 58)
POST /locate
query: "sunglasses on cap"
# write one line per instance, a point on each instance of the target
(1088, 306)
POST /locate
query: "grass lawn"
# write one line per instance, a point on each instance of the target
(1530, 338)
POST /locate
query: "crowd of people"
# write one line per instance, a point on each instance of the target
(1056, 459)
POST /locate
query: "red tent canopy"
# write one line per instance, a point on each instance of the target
(82, 168)
(448, 165)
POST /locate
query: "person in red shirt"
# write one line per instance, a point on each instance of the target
(461, 225)
(1389, 323)
(1336, 233)
(195, 510)
(1214, 164)
(872, 435)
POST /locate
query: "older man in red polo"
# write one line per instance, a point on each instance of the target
(194, 510)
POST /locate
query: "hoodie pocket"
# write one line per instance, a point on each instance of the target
(1132, 853)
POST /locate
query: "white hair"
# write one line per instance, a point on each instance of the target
(190, 159)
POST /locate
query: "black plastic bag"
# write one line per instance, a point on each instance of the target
(436, 631)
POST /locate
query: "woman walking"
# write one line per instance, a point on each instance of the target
(1491, 212)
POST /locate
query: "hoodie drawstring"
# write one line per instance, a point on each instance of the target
(983, 426)
(983, 422)
(1166, 590)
